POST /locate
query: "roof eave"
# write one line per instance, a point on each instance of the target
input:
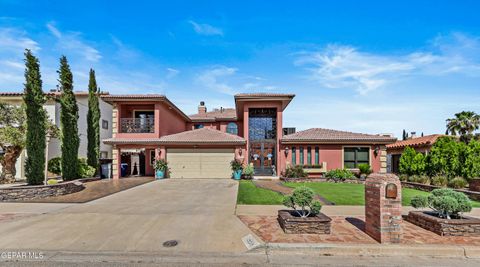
(337, 141)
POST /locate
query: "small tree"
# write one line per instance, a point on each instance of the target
(446, 157)
(93, 120)
(12, 139)
(411, 162)
(471, 166)
(34, 99)
(446, 202)
(301, 200)
(404, 135)
(68, 119)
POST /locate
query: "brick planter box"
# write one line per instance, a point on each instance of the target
(292, 224)
(467, 226)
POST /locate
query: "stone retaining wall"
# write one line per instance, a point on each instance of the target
(20, 193)
(290, 224)
(468, 226)
(474, 185)
(425, 187)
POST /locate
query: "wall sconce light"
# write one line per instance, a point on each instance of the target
(240, 152)
(376, 150)
(286, 151)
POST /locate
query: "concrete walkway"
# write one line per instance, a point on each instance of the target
(197, 213)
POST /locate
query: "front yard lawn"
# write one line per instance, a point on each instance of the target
(339, 193)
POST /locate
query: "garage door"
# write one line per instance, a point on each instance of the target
(200, 163)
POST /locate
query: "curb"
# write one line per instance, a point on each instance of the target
(385, 250)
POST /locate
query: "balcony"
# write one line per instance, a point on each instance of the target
(137, 125)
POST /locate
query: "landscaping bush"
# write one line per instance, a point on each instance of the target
(446, 202)
(296, 171)
(365, 169)
(439, 180)
(85, 170)
(471, 165)
(339, 175)
(458, 183)
(248, 171)
(236, 165)
(301, 199)
(421, 179)
(403, 177)
(412, 163)
(446, 157)
(52, 181)
(55, 165)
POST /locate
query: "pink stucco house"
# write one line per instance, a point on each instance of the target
(202, 145)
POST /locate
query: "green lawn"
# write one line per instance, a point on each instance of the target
(339, 193)
(248, 193)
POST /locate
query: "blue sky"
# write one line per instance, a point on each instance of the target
(364, 66)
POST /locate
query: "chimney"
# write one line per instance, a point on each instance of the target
(413, 135)
(202, 109)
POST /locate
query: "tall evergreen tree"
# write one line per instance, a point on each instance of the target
(93, 120)
(34, 99)
(68, 122)
(405, 135)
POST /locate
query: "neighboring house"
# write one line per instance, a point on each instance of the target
(420, 144)
(202, 145)
(53, 110)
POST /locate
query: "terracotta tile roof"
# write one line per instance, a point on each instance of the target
(264, 95)
(134, 97)
(198, 136)
(319, 135)
(77, 93)
(416, 142)
(217, 114)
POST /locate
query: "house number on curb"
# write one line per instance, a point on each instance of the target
(250, 242)
(391, 191)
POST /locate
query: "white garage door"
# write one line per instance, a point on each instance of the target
(200, 163)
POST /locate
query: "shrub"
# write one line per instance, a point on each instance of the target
(471, 166)
(248, 171)
(446, 202)
(52, 181)
(55, 165)
(421, 179)
(403, 177)
(296, 171)
(458, 183)
(339, 175)
(85, 170)
(236, 165)
(412, 162)
(364, 168)
(445, 157)
(300, 199)
(439, 180)
(160, 165)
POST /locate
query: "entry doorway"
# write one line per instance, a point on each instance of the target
(133, 162)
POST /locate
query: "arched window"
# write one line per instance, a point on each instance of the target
(232, 128)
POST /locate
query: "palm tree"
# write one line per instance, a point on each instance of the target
(464, 123)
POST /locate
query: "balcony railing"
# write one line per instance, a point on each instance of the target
(137, 125)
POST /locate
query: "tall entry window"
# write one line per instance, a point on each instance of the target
(301, 156)
(294, 156)
(354, 156)
(309, 155)
(317, 156)
(262, 136)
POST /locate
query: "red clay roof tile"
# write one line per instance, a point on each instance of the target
(319, 135)
(415, 142)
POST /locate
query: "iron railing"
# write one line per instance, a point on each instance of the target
(137, 125)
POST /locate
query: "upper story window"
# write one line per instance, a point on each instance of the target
(354, 156)
(142, 121)
(105, 124)
(198, 126)
(232, 128)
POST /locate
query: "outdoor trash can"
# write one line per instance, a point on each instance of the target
(124, 167)
(106, 173)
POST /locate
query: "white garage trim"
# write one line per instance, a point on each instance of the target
(200, 162)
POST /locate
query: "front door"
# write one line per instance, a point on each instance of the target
(262, 155)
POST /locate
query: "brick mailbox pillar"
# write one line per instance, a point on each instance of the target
(383, 207)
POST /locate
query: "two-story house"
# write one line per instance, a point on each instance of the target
(202, 145)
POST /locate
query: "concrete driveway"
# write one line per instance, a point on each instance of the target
(197, 213)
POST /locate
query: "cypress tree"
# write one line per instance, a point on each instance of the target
(405, 135)
(93, 120)
(68, 122)
(36, 116)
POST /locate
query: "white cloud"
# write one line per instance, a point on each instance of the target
(171, 72)
(16, 40)
(338, 66)
(212, 79)
(72, 42)
(205, 29)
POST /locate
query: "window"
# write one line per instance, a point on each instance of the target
(309, 155)
(353, 156)
(104, 155)
(301, 156)
(232, 128)
(317, 156)
(198, 126)
(105, 124)
(294, 155)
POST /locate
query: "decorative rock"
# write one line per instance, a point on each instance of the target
(20, 193)
(319, 224)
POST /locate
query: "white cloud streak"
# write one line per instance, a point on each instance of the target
(205, 29)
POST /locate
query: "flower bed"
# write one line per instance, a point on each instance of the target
(465, 226)
(292, 224)
(20, 193)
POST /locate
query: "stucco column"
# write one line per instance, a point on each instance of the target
(157, 119)
(280, 156)
(115, 117)
(116, 156)
(383, 159)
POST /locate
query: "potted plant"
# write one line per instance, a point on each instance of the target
(237, 169)
(365, 170)
(248, 171)
(446, 218)
(161, 168)
(305, 218)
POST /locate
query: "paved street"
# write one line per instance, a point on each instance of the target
(197, 213)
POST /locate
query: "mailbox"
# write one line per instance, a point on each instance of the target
(391, 191)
